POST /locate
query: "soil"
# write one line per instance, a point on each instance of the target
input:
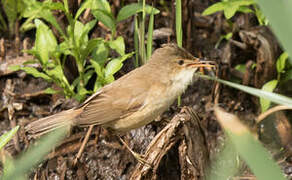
(104, 157)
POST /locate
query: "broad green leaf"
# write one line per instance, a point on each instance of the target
(78, 31)
(34, 72)
(214, 8)
(230, 11)
(45, 42)
(269, 86)
(118, 45)
(102, 5)
(112, 67)
(6, 137)
(274, 97)
(97, 68)
(109, 79)
(84, 35)
(35, 9)
(100, 53)
(57, 73)
(55, 6)
(132, 9)
(281, 61)
(90, 46)
(106, 18)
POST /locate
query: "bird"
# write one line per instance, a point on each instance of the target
(133, 100)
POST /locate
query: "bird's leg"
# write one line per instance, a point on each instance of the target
(137, 156)
(83, 144)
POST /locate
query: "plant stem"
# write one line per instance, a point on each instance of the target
(178, 28)
(150, 34)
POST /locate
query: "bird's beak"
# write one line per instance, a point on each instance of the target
(201, 64)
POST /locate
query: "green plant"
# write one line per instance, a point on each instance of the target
(272, 84)
(12, 10)
(18, 168)
(230, 7)
(179, 31)
(240, 142)
(52, 55)
(7, 136)
(141, 9)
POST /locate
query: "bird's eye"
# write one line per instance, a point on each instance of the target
(180, 62)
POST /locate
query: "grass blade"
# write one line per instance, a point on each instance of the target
(274, 97)
(150, 35)
(7, 136)
(250, 149)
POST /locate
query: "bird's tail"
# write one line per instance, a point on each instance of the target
(64, 119)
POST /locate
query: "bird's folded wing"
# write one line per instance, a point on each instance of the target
(113, 102)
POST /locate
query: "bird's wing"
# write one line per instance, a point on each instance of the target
(114, 101)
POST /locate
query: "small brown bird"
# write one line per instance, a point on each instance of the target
(135, 99)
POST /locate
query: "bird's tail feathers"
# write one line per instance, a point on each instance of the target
(64, 119)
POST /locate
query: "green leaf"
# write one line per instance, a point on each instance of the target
(269, 86)
(274, 97)
(126, 56)
(109, 79)
(248, 147)
(100, 53)
(84, 35)
(87, 76)
(214, 8)
(11, 11)
(51, 91)
(78, 31)
(84, 5)
(34, 72)
(97, 68)
(45, 42)
(14, 68)
(112, 67)
(244, 9)
(34, 155)
(241, 68)
(90, 46)
(35, 9)
(230, 11)
(118, 45)
(6, 137)
(57, 73)
(102, 5)
(106, 18)
(281, 61)
(132, 9)
(241, 2)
